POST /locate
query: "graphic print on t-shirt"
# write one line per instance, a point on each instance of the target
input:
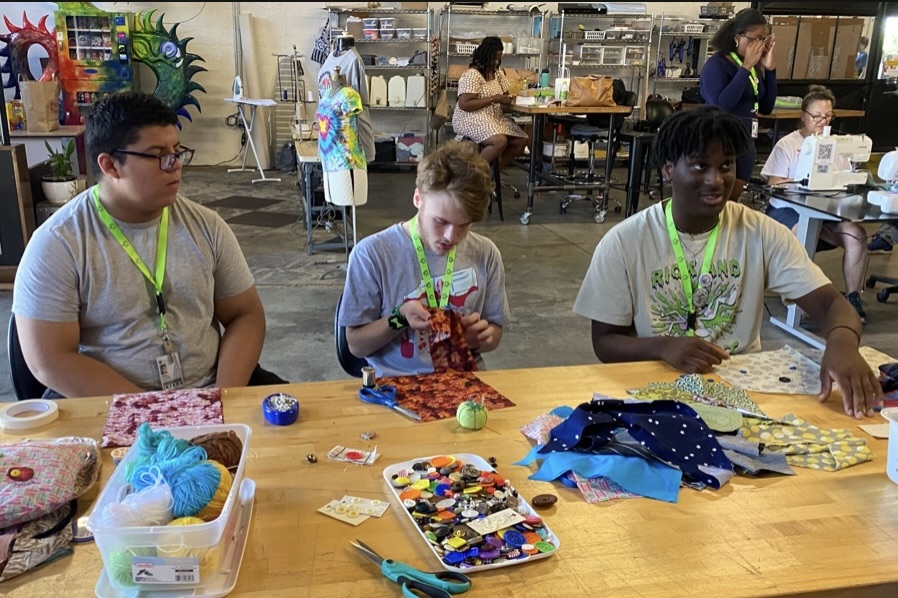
(713, 322)
(464, 283)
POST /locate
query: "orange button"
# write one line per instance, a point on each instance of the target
(411, 493)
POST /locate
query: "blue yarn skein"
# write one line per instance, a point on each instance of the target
(150, 443)
(192, 479)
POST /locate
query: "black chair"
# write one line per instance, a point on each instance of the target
(24, 384)
(497, 182)
(351, 364)
(883, 295)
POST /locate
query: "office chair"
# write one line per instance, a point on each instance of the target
(597, 127)
(351, 364)
(24, 384)
(883, 295)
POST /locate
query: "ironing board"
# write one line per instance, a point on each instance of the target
(253, 103)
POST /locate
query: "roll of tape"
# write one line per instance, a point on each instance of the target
(29, 414)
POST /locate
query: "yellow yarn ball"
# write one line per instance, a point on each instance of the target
(214, 507)
(171, 547)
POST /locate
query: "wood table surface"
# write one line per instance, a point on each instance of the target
(556, 109)
(815, 532)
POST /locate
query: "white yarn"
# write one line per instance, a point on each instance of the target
(150, 507)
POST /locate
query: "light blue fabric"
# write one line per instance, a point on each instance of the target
(651, 479)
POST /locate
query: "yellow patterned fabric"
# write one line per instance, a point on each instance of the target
(806, 445)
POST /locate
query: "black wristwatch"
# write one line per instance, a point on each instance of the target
(397, 321)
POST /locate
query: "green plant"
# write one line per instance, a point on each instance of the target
(61, 161)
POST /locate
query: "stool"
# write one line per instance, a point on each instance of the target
(497, 181)
(641, 156)
(589, 134)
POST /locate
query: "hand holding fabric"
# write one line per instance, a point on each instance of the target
(477, 331)
(416, 314)
(692, 355)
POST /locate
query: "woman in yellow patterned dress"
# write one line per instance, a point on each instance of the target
(482, 90)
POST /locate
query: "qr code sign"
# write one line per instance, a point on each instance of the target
(825, 153)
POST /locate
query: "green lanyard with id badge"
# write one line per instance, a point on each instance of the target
(753, 78)
(168, 365)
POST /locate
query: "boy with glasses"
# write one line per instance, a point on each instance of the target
(127, 287)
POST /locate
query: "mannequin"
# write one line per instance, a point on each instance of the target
(347, 58)
(342, 160)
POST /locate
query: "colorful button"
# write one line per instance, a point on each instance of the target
(544, 547)
(513, 538)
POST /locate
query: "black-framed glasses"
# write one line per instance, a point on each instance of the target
(166, 161)
(763, 38)
(819, 117)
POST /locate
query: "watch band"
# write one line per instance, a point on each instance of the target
(397, 321)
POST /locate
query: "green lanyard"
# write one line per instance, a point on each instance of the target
(161, 248)
(753, 77)
(425, 269)
(683, 267)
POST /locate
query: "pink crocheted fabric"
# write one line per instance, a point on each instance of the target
(160, 409)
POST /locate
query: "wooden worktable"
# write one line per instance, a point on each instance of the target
(815, 532)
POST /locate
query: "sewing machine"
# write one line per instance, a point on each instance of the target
(887, 199)
(827, 162)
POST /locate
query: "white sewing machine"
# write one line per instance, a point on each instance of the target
(827, 162)
(887, 199)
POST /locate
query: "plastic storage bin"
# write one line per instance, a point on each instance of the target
(419, 33)
(207, 544)
(371, 23)
(404, 33)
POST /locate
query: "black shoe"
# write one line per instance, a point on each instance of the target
(879, 244)
(858, 304)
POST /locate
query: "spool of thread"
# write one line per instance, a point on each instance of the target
(224, 447)
(118, 565)
(173, 547)
(214, 507)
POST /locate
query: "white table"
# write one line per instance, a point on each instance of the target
(253, 103)
(814, 209)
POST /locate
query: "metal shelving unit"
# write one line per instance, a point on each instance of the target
(672, 28)
(396, 120)
(583, 42)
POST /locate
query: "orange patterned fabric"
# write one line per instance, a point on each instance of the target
(449, 349)
(437, 396)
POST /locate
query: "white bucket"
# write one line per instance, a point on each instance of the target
(891, 414)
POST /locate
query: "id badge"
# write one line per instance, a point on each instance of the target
(754, 128)
(169, 368)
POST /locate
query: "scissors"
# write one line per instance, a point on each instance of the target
(385, 395)
(415, 583)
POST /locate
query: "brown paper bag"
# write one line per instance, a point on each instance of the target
(592, 90)
(40, 100)
(441, 111)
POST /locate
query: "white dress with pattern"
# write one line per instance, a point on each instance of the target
(486, 122)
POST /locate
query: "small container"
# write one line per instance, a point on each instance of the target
(404, 33)
(419, 33)
(387, 33)
(371, 23)
(371, 34)
(387, 23)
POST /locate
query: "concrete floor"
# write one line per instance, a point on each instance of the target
(545, 263)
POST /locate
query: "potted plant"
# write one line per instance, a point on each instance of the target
(61, 184)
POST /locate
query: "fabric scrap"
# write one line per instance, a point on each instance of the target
(671, 430)
(747, 456)
(601, 489)
(806, 445)
(692, 388)
(437, 396)
(449, 349)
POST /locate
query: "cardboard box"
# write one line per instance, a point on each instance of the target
(815, 41)
(414, 5)
(786, 31)
(848, 39)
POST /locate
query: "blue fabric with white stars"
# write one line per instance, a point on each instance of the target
(670, 430)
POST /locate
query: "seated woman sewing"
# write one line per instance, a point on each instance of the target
(482, 90)
(817, 112)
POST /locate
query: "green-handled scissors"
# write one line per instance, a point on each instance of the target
(415, 583)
